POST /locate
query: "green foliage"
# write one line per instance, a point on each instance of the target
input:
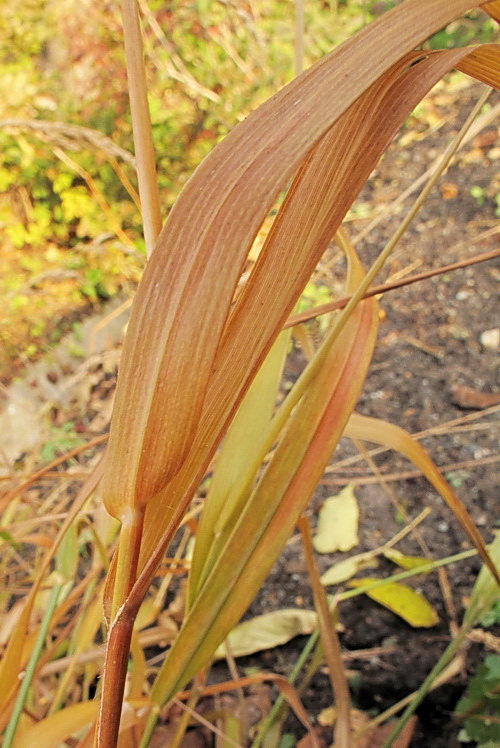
(481, 705)
(476, 28)
(62, 439)
(492, 617)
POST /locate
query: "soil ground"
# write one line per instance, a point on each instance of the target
(432, 366)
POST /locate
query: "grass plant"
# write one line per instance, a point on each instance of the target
(199, 391)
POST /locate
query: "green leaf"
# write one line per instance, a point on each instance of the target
(482, 703)
(402, 600)
(338, 523)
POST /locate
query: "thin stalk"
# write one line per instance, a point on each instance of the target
(401, 576)
(150, 726)
(31, 667)
(141, 125)
(426, 686)
(299, 36)
(330, 644)
(276, 712)
(113, 680)
(382, 288)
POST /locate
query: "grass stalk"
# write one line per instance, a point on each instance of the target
(113, 682)
(31, 667)
(120, 633)
(141, 124)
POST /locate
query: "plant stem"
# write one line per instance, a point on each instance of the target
(113, 681)
(128, 558)
(445, 658)
(120, 633)
(330, 643)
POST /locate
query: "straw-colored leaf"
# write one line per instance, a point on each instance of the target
(338, 520)
(492, 8)
(402, 600)
(483, 64)
(55, 730)
(309, 215)
(267, 631)
(186, 366)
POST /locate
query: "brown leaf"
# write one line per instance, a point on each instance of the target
(470, 399)
(380, 734)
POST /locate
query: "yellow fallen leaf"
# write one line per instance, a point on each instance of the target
(267, 631)
(402, 600)
(337, 528)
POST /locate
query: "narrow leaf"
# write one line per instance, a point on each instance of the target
(483, 63)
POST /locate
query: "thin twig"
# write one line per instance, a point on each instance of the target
(384, 287)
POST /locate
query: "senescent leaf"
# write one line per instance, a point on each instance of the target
(404, 601)
(338, 519)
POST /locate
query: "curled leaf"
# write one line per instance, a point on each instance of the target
(338, 519)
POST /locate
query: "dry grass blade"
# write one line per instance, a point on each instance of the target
(483, 64)
(143, 141)
(381, 432)
(15, 655)
(492, 8)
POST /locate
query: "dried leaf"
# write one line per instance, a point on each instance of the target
(268, 631)
(466, 397)
(402, 600)
(338, 519)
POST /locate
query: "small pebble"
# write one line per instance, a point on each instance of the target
(443, 526)
(490, 339)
